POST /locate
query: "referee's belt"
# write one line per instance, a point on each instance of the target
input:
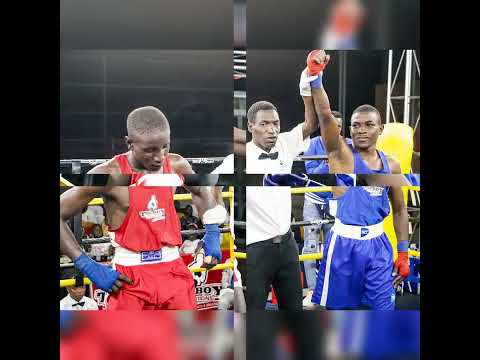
(365, 232)
(279, 238)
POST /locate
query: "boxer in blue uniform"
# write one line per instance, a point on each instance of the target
(358, 267)
(316, 206)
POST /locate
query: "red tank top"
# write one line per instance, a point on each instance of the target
(151, 221)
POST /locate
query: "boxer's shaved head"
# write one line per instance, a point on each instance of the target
(146, 120)
(368, 109)
(148, 138)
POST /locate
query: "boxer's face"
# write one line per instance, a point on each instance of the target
(365, 129)
(150, 150)
(76, 292)
(265, 129)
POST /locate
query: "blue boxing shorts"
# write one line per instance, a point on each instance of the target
(356, 269)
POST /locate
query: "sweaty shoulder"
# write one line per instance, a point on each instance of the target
(394, 164)
(179, 164)
(108, 167)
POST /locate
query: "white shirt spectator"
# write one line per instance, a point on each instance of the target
(269, 208)
(289, 145)
(69, 303)
(94, 214)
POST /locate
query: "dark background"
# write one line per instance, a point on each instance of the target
(119, 55)
(286, 24)
(98, 89)
(146, 24)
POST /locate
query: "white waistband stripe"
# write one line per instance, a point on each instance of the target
(127, 257)
(358, 232)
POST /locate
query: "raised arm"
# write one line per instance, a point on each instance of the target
(311, 120)
(311, 166)
(334, 143)
(328, 125)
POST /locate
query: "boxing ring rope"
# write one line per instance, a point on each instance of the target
(315, 256)
(310, 157)
(177, 197)
(226, 194)
(205, 160)
(71, 282)
(106, 239)
(86, 281)
(76, 164)
(296, 191)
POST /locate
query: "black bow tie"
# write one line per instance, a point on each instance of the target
(273, 156)
(81, 303)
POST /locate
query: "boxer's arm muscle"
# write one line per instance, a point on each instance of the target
(335, 145)
(72, 202)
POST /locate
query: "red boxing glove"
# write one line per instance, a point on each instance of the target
(314, 68)
(402, 266)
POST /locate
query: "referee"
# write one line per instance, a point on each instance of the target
(272, 253)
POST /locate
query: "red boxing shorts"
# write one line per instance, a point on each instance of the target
(159, 286)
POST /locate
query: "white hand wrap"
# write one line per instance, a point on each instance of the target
(216, 215)
(225, 299)
(304, 84)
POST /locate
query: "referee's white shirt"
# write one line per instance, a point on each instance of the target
(289, 145)
(269, 208)
(67, 303)
(226, 167)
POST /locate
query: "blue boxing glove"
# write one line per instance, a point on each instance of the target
(102, 276)
(285, 180)
(211, 243)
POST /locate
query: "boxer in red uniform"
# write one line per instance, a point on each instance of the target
(142, 221)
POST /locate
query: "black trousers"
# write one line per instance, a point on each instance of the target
(270, 263)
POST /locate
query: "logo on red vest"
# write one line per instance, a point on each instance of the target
(153, 213)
